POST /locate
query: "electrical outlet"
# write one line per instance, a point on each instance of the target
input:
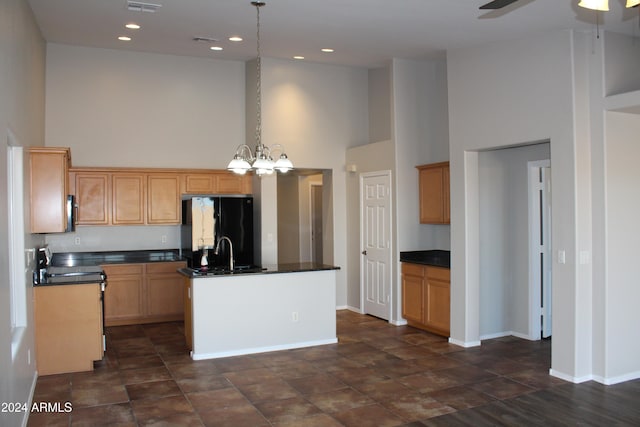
(294, 316)
(163, 239)
(77, 240)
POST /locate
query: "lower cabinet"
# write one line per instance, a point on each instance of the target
(143, 293)
(68, 327)
(426, 297)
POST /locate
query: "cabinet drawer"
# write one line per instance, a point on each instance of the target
(122, 269)
(164, 267)
(438, 273)
(413, 269)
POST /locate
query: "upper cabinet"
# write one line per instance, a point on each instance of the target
(92, 190)
(434, 193)
(113, 196)
(163, 199)
(49, 188)
(217, 182)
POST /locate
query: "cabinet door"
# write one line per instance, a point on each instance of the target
(437, 299)
(163, 199)
(412, 292)
(68, 328)
(164, 289)
(128, 199)
(92, 197)
(123, 295)
(431, 195)
(201, 183)
(49, 189)
(230, 183)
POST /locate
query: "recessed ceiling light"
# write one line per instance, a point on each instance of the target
(132, 26)
(215, 48)
(235, 39)
(327, 50)
(298, 57)
(124, 38)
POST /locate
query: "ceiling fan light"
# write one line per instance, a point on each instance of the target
(633, 3)
(602, 5)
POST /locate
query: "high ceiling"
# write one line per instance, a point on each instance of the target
(365, 33)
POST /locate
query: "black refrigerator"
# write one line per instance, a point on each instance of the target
(206, 219)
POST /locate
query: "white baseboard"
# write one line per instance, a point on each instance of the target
(507, 334)
(465, 344)
(570, 378)
(617, 380)
(354, 309)
(25, 418)
(204, 356)
(398, 322)
(342, 307)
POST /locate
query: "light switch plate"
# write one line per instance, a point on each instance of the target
(561, 257)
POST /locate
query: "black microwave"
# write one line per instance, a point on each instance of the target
(71, 213)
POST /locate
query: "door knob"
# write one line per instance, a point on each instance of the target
(364, 252)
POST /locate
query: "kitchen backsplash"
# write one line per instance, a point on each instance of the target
(115, 238)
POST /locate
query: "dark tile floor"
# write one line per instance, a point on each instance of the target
(377, 375)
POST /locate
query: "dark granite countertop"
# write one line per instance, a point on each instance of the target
(78, 259)
(267, 269)
(436, 258)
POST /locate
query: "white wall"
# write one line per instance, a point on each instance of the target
(500, 95)
(504, 238)
(22, 80)
(120, 108)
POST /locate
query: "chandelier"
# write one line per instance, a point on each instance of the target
(603, 5)
(262, 161)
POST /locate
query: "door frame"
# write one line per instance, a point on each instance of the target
(535, 308)
(313, 187)
(386, 173)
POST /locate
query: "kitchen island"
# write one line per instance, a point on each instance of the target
(277, 308)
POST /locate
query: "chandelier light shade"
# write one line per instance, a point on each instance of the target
(602, 5)
(633, 3)
(261, 161)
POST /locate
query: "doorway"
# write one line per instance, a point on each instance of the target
(316, 222)
(375, 241)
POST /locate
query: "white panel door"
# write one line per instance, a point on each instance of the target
(375, 236)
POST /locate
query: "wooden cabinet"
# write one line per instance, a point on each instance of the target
(68, 327)
(112, 196)
(200, 183)
(164, 290)
(127, 201)
(434, 193)
(49, 187)
(124, 293)
(143, 293)
(426, 297)
(230, 183)
(92, 191)
(163, 199)
(217, 182)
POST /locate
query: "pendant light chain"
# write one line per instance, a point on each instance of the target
(262, 162)
(258, 4)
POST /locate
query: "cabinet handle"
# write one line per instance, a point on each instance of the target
(364, 252)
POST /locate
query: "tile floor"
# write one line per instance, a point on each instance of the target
(377, 375)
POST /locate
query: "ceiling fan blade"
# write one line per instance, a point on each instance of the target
(497, 4)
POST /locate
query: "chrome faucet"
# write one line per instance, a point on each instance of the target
(230, 250)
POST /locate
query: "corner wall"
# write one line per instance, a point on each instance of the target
(501, 95)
